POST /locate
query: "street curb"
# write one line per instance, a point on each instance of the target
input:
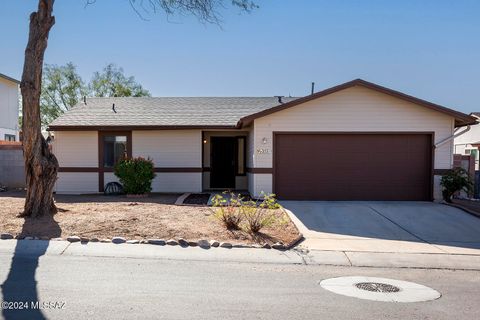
(295, 242)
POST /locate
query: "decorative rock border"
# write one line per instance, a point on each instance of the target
(203, 243)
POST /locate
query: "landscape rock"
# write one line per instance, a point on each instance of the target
(118, 240)
(158, 242)
(6, 236)
(205, 244)
(72, 239)
(84, 239)
(172, 242)
(105, 240)
(94, 240)
(192, 243)
(182, 242)
(267, 246)
(241, 245)
(133, 241)
(278, 246)
(225, 245)
(214, 243)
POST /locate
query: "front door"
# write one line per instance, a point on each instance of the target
(222, 162)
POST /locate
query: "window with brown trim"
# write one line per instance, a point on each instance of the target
(114, 149)
(9, 137)
(241, 156)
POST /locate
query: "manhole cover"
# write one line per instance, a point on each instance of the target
(380, 289)
(377, 287)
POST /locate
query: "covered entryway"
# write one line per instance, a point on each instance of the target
(353, 166)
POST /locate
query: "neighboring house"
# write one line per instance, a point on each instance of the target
(9, 107)
(355, 141)
(468, 143)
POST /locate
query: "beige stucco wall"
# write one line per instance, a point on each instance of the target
(356, 109)
(9, 108)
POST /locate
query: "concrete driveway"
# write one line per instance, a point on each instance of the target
(406, 227)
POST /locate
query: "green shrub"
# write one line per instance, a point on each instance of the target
(455, 180)
(135, 175)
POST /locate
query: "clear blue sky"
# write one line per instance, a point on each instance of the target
(427, 48)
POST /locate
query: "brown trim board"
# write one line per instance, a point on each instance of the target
(139, 127)
(440, 172)
(260, 170)
(103, 170)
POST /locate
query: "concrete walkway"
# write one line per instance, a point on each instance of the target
(39, 248)
(404, 234)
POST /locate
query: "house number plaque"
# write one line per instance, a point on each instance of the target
(263, 151)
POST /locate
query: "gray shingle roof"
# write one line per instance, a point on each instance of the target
(148, 111)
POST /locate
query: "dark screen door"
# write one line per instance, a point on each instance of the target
(222, 166)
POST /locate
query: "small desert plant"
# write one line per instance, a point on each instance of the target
(259, 214)
(135, 174)
(237, 213)
(455, 180)
(226, 210)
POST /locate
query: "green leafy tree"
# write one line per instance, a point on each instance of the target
(62, 88)
(112, 82)
(41, 165)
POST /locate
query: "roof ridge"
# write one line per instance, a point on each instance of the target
(194, 97)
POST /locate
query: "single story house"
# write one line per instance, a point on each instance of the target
(354, 141)
(9, 106)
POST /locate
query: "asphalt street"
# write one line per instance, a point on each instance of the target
(101, 286)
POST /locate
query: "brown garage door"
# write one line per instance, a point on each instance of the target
(312, 166)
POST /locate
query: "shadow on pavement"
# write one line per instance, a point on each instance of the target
(20, 287)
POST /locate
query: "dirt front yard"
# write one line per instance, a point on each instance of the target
(146, 218)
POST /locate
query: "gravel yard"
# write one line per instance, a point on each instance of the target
(144, 218)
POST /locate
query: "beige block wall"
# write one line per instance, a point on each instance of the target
(169, 182)
(76, 149)
(174, 149)
(356, 109)
(77, 182)
(169, 148)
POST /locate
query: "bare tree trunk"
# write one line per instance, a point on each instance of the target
(41, 165)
